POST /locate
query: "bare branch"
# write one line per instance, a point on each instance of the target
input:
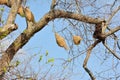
(114, 54)
(77, 6)
(112, 31)
(109, 19)
(118, 44)
(13, 11)
(87, 57)
(111, 16)
(113, 3)
(9, 3)
(53, 4)
(71, 15)
(10, 26)
(7, 29)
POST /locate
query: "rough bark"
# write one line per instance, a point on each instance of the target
(10, 26)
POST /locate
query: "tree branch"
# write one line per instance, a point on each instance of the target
(7, 29)
(13, 12)
(9, 3)
(87, 58)
(24, 37)
(112, 31)
(113, 13)
(10, 26)
(110, 18)
(66, 14)
(53, 4)
(114, 54)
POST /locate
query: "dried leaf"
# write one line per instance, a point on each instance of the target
(17, 63)
(50, 60)
(40, 58)
(46, 53)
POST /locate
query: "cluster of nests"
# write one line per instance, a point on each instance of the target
(61, 41)
(25, 12)
(22, 11)
(98, 34)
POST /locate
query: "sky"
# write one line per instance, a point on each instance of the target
(44, 40)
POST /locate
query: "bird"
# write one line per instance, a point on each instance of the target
(61, 41)
(21, 11)
(29, 15)
(77, 40)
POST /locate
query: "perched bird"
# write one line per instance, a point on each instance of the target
(28, 14)
(77, 40)
(61, 41)
(21, 11)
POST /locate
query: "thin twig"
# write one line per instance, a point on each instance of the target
(118, 57)
(118, 44)
(109, 33)
(114, 12)
(112, 31)
(10, 25)
(53, 4)
(77, 6)
(13, 12)
(87, 57)
(113, 4)
(110, 18)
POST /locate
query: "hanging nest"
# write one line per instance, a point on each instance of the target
(77, 40)
(21, 11)
(61, 41)
(29, 15)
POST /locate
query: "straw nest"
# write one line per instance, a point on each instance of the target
(61, 41)
(77, 40)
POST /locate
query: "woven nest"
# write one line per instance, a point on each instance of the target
(20, 11)
(29, 14)
(61, 41)
(77, 40)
